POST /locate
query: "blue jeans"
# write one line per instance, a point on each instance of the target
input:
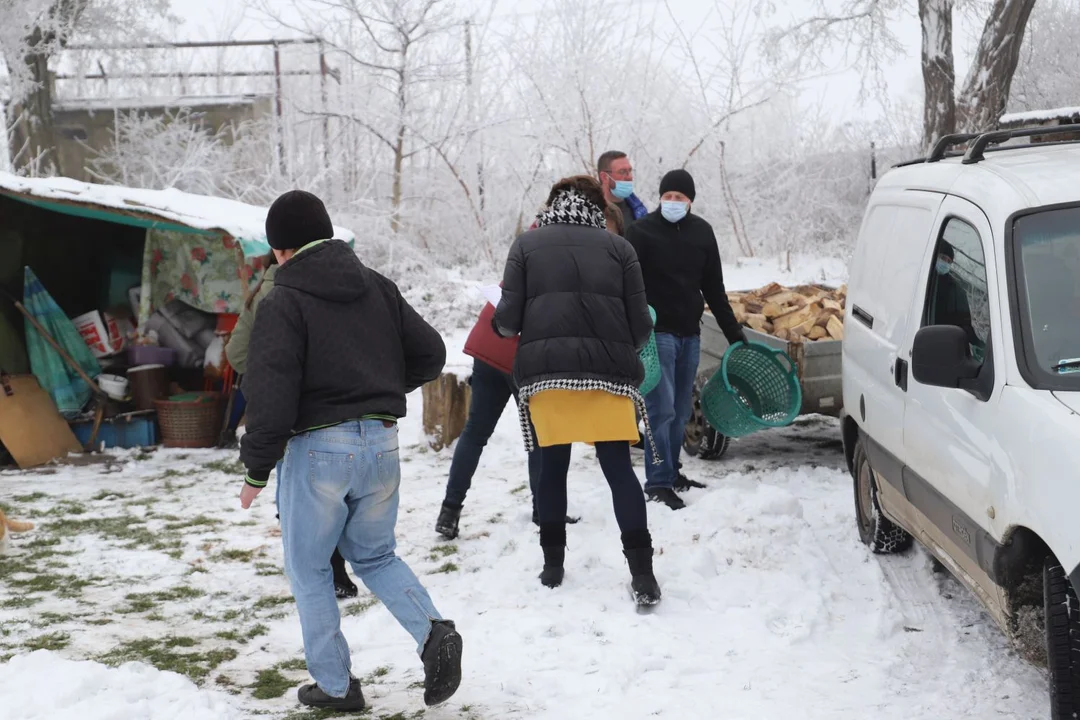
(669, 406)
(491, 389)
(339, 488)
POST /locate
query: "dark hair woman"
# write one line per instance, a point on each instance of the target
(236, 351)
(574, 293)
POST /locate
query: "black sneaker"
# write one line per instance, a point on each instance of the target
(442, 662)
(345, 589)
(313, 696)
(666, 496)
(683, 483)
(447, 524)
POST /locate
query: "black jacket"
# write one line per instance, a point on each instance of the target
(333, 341)
(680, 262)
(576, 296)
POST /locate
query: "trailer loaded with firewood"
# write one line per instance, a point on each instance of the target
(806, 322)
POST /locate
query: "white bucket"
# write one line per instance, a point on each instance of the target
(114, 386)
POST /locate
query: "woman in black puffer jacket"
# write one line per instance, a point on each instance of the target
(574, 293)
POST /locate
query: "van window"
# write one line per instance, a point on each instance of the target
(886, 269)
(1046, 248)
(956, 294)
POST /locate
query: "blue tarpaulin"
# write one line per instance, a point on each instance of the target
(68, 390)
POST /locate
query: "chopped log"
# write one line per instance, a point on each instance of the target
(740, 312)
(758, 322)
(446, 407)
(768, 290)
(772, 310)
(818, 333)
(798, 317)
(786, 298)
(830, 304)
(754, 307)
(835, 328)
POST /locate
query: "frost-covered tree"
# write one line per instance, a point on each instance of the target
(31, 33)
(1048, 75)
(864, 28)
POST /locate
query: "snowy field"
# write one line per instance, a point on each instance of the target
(146, 593)
(771, 608)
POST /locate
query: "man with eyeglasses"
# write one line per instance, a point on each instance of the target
(616, 176)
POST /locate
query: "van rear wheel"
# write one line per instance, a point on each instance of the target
(876, 531)
(700, 439)
(1062, 641)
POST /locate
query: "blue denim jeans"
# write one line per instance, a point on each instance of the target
(491, 390)
(339, 487)
(669, 406)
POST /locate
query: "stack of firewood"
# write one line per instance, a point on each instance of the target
(806, 312)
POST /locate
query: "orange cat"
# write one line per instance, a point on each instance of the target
(11, 525)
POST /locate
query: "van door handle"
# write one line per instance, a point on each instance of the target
(900, 373)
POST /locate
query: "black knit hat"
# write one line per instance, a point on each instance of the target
(296, 219)
(678, 181)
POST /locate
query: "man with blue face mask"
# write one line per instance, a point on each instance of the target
(951, 306)
(680, 263)
(617, 178)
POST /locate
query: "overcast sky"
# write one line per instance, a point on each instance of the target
(207, 19)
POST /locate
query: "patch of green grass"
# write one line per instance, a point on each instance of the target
(156, 617)
(257, 631)
(270, 601)
(110, 495)
(165, 654)
(444, 550)
(375, 675)
(170, 474)
(64, 586)
(320, 714)
(447, 567)
(144, 602)
(143, 456)
(99, 621)
(48, 618)
(51, 641)
(232, 636)
(519, 489)
(196, 569)
(294, 665)
(199, 521)
(41, 554)
(19, 602)
(32, 497)
(247, 523)
(267, 569)
(41, 542)
(234, 467)
(270, 684)
(66, 508)
(230, 614)
(359, 607)
(235, 555)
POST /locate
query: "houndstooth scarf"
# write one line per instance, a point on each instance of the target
(570, 207)
(628, 391)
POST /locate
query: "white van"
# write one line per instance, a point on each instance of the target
(961, 380)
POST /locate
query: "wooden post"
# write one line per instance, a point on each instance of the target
(446, 407)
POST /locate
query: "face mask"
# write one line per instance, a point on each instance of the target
(623, 189)
(673, 210)
(942, 267)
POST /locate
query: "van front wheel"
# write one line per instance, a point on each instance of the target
(1062, 641)
(875, 530)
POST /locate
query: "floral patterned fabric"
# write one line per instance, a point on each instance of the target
(200, 270)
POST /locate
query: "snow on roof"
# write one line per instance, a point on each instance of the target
(244, 222)
(1039, 115)
(141, 103)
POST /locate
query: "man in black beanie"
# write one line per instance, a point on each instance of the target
(680, 263)
(334, 351)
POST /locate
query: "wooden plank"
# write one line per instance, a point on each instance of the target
(835, 328)
(31, 427)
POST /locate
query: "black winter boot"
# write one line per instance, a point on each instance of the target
(553, 543)
(313, 696)
(447, 524)
(442, 662)
(666, 496)
(344, 587)
(637, 547)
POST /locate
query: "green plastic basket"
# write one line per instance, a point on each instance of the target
(650, 358)
(755, 387)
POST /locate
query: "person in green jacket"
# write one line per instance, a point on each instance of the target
(236, 352)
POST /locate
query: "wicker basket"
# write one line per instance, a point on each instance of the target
(191, 423)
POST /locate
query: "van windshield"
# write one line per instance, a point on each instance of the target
(1046, 251)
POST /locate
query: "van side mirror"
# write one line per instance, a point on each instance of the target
(941, 357)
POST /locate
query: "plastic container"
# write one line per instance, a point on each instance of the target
(122, 431)
(148, 383)
(114, 386)
(650, 358)
(151, 355)
(755, 387)
(192, 420)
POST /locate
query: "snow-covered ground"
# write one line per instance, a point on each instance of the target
(771, 606)
(146, 593)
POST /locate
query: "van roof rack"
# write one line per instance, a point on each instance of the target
(977, 152)
(941, 147)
